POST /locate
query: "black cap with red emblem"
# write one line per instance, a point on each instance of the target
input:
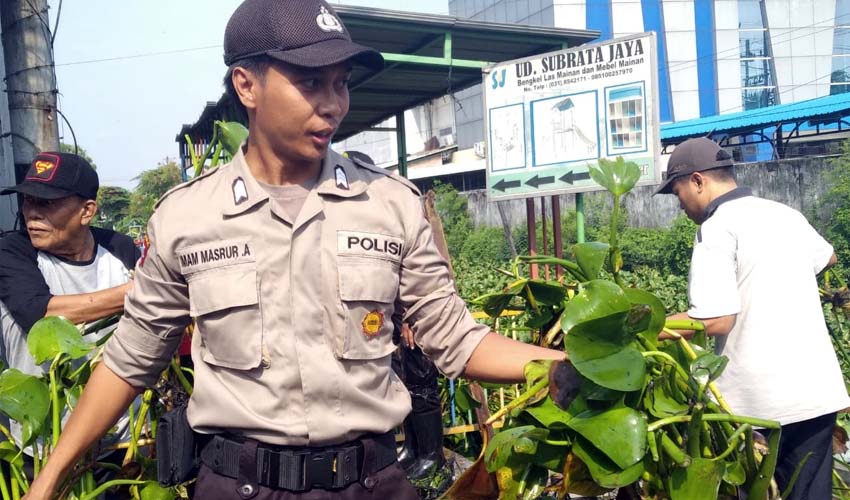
(54, 175)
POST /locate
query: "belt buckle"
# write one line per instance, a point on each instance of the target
(319, 470)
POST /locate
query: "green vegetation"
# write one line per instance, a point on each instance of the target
(626, 411)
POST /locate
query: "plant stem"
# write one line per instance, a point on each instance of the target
(557, 443)
(685, 324)
(716, 417)
(531, 392)
(768, 464)
(691, 354)
(54, 399)
(4, 490)
(677, 455)
(105, 486)
(733, 441)
(178, 372)
(659, 354)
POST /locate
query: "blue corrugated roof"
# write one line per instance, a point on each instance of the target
(756, 119)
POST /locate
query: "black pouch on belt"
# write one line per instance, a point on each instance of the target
(176, 453)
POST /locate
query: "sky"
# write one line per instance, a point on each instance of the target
(131, 72)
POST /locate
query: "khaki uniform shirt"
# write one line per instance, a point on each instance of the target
(293, 318)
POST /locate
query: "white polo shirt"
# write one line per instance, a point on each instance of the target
(758, 259)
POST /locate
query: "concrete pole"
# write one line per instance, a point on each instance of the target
(30, 79)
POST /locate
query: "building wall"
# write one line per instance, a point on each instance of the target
(799, 183)
(435, 119)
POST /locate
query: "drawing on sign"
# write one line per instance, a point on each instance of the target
(626, 120)
(565, 128)
(507, 140)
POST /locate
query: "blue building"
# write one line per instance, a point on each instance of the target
(715, 56)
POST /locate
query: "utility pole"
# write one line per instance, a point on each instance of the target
(30, 79)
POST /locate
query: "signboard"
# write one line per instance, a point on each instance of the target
(550, 117)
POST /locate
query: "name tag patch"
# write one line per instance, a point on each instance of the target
(216, 254)
(374, 245)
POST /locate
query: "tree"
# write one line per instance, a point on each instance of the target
(69, 148)
(152, 185)
(113, 205)
(452, 208)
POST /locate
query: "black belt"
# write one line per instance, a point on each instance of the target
(302, 468)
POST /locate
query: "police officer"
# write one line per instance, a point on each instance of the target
(291, 259)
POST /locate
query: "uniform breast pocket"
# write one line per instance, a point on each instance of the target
(226, 308)
(368, 290)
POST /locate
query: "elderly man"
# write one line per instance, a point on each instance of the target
(59, 266)
(753, 284)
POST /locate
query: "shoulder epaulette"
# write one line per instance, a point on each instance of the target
(383, 171)
(184, 185)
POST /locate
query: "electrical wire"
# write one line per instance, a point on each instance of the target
(137, 56)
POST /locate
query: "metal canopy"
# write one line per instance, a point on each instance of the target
(427, 56)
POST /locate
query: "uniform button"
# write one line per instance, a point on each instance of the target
(246, 490)
(369, 482)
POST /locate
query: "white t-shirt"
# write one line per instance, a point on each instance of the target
(29, 278)
(758, 259)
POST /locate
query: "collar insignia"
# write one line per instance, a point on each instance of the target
(327, 22)
(341, 178)
(240, 192)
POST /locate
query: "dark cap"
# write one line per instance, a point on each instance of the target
(305, 33)
(693, 155)
(55, 175)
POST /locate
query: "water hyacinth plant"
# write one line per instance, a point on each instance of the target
(626, 411)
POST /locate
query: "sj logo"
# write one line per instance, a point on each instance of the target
(498, 79)
(42, 166)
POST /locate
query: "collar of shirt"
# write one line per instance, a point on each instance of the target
(247, 192)
(734, 194)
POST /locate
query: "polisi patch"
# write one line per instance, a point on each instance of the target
(215, 254)
(372, 323)
(379, 246)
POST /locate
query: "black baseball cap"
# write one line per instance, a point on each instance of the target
(305, 33)
(693, 155)
(53, 175)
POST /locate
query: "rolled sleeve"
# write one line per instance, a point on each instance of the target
(713, 281)
(156, 313)
(440, 321)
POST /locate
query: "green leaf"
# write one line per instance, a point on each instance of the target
(698, 481)
(601, 351)
(595, 392)
(617, 176)
(464, 400)
(605, 472)
(501, 448)
(657, 318)
(549, 415)
(550, 456)
(735, 473)
(232, 135)
(661, 403)
(11, 453)
(550, 293)
(597, 299)
(620, 433)
(53, 335)
(708, 366)
(153, 491)
(494, 303)
(590, 257)
(539, 319)
(25, 399)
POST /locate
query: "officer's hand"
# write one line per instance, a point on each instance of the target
(407, 336)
